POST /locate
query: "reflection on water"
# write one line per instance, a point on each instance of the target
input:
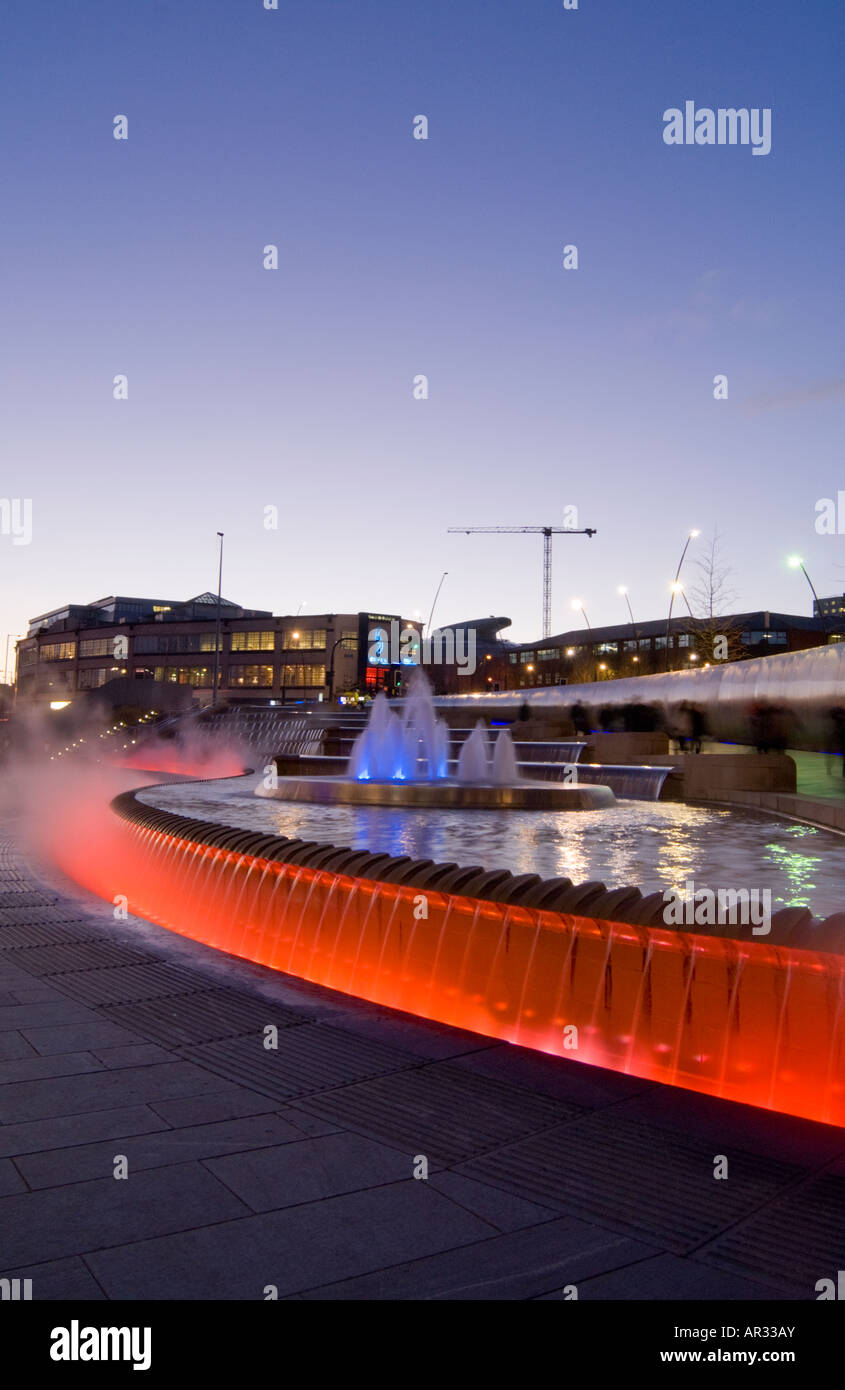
(655, 845)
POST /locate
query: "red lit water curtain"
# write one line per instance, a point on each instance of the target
(742, 1020)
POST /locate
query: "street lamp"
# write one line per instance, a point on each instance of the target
(579, 608)
(217, 624)
(795, 562)
(677, 588)
(624, 592)
(339, 643)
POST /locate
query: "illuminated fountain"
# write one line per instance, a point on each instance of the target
(507, 956)
(401, 758)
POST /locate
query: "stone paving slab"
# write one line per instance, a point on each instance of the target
(158, 1149)
(296, 1249)
(85, 1216)
(522, 1264)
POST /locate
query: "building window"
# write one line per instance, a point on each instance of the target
(97, 646)
(772, 639)
(548, 654)
(172, 643)
(526, 657)
(93, 678)
(608, 648)
(58, 651)
(313, 640)
(251, 675)
(184, 675)
(253, 641)
(303, 676)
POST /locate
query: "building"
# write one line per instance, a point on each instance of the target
(152, 648)
(631, 649)
(830, 608)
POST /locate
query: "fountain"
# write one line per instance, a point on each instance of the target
(401, 758)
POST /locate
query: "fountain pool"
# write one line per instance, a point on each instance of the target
(654, 844)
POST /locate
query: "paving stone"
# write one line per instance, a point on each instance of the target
(207, 1016)
(635, 1179)
(585, 1087)
(792, 1243)
(89, 1216)
(129, 982)
(668, 1277)
(55, 1280)
(418, 1036)
(86, 1162)
(10, 1181)
(502, 1209)
(133, 1055)
(13, 1045)
(78, 1129)
(75, 956)
(309, 1125)
(519, 1265)
(719, 1122)
(310, 1170)
(311, 1058)
(226, 1103)
(34, 1100)
(440, 1110)
(22, 1017)
(32, 1068)
(91, 1032)
(299, 1248)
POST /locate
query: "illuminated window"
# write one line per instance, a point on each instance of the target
(301, 640)
(58, 651)
(251, 675)
(253, 641)
(303, 676)
(184, 675)
(97, 646)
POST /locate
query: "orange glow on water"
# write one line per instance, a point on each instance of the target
(744, 1021)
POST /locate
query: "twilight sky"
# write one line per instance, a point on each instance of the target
(548, 388)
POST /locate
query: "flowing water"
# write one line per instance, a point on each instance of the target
(655, 845)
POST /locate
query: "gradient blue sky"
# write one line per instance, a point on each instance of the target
(397, 257)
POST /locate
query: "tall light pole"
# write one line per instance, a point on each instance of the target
(795, 562)
(677, 588)
(434, 604)
(217, 624)
(624, 592)
(579, 608)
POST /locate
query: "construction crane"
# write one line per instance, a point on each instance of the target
(546, 532)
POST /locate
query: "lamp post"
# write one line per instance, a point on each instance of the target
(797, 563)
(579, 608)
(330, 682)
(677, 588)
(217, 625)
(578, 605)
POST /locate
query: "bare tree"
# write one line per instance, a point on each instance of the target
(713, 592)
(719, 637)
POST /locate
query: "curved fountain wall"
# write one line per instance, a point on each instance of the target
(810, 683)
(745, 1020)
